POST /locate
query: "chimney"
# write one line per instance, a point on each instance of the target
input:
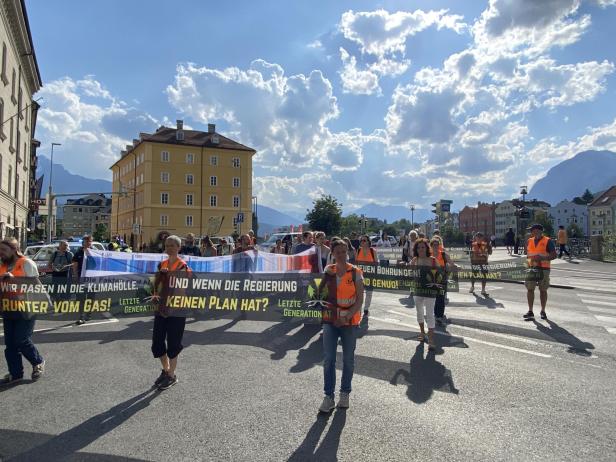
(180, 124)
(211, 128)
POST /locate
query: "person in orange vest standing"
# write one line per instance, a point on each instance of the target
(168, 330)
(540, 252)
(562, 242)
(18, 329)
(480, 251)
(343, 288)
(366, 254)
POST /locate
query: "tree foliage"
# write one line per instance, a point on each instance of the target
(543, 219)
(326, 215)
(573, 230)
(101, 233)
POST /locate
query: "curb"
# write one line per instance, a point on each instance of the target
(556, 286)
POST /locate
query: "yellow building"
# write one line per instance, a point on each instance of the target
(181, 181)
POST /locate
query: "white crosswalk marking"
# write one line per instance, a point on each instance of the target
(600, 306)
(599, 302)
(610, 321)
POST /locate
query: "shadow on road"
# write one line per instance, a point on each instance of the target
(65, 445)
(488, 302)
(424, 376)
(561, 335)
(328, 449)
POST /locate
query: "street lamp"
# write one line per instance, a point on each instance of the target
(49, 198)
(412, 207)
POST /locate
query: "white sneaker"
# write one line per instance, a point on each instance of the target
(327, 405)
(343, 402)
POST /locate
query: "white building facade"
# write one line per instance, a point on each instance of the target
(505, 218)
(566, 213)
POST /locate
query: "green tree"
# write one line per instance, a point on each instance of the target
(326, 215)
(573, 230)
(101, 233)
(350, 224)
(543, 219)
(451, 236)
(588, 197)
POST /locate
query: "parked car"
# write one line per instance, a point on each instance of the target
(41, 258)
(31, 250)
(287, 241)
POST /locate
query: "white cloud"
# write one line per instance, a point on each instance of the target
(381, 37)
(381, 33)
(359, 82)
(92, 125)
(283, 117)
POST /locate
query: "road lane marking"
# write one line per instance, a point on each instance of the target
(599, 302)
(47, 329)
(607, 320)
(476, 329)
(498, 345)
(611, 330)
(598, 309)
(598, 296)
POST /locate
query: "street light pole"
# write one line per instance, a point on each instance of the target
(412, 206)
(49, 197)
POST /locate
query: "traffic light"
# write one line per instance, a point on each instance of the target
(437, 208)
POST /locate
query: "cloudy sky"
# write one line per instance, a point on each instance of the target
(388, 102)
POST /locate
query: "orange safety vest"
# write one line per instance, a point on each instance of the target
(18, 269)
(541, 248)
(363, 258)
(175, 267)
(341, 295)
(441, 258)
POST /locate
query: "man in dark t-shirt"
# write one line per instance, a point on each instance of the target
(189, 247)
(307, 243)
(77, 267)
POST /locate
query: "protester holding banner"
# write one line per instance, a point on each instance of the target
(423, 296)
(18, 327)
(77, 268)
(245, 244)
(307, 243)
(207, 248)
(344, 286)
(540, 252)
(366, 254)
(189, 247)
(322, 249)
(168, 330)
(444, 263)
(480, 250)
(279, 248)
(60, 262)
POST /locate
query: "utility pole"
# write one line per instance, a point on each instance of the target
(412, 207)
(50, 198)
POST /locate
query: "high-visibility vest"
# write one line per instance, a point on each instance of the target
(18, 268)
(178, 265)
(440, 258)
(363, 258)
(341, 294)
(541, 248)
(562, 236)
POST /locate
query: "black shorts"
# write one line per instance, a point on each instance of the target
(167, 336)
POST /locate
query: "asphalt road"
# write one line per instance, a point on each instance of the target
(498, 388)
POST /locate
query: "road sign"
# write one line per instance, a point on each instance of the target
(240, 217)
(445, 207)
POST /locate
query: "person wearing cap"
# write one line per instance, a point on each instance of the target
(540, 251)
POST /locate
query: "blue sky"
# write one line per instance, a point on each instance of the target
(389, 102)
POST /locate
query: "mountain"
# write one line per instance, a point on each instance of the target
(391, 213)
(595, 170)
(65, 182)
(269, 219)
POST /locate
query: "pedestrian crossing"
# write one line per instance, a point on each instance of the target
(602, 307)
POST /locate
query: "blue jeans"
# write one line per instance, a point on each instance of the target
(18, 341)
(348, 336)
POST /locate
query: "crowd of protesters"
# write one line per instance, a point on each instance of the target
(342, 305)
